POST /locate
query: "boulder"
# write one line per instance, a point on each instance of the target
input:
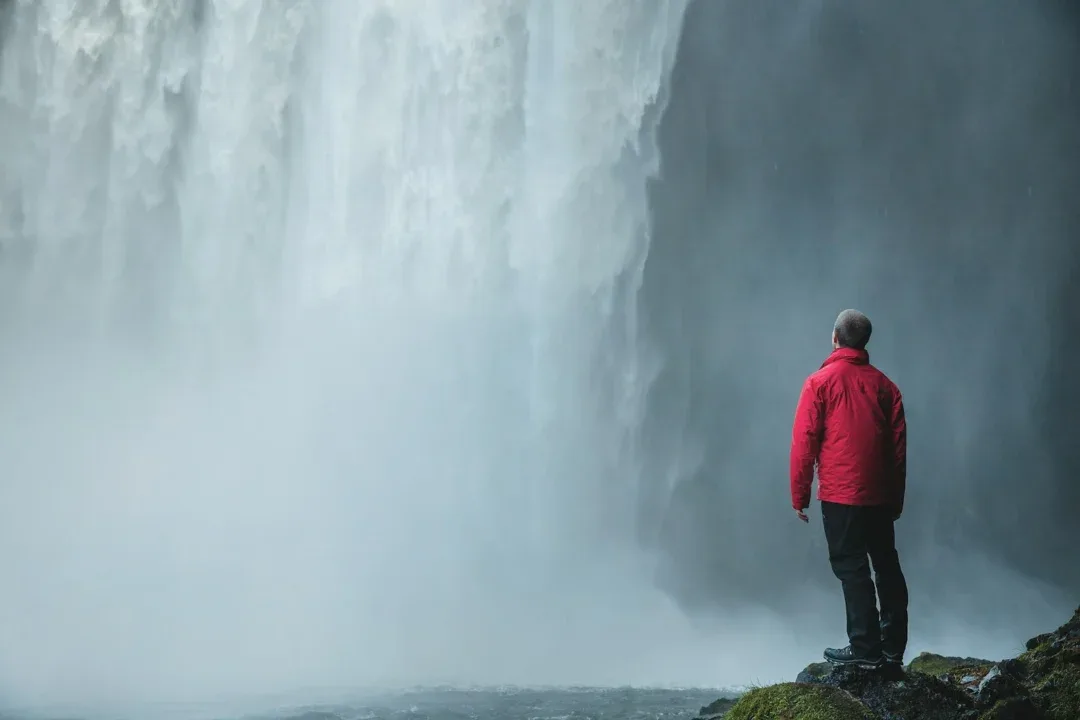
(716, 709)
(798, 701)
(814, 672)
(968, 672)
(893, 694)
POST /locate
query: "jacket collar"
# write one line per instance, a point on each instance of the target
(848, 355)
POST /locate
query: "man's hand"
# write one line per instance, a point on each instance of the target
(801, 514)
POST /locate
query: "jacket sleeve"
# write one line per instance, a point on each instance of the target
(899, 455)
(806, 436)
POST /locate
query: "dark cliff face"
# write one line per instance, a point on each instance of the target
(919, 161)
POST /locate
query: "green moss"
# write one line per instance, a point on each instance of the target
(1051, 668)
(954, 668)
(798, 701)
(1037, 657)
(1059, 692)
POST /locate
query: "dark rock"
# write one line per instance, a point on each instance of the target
(1001, 683)
(893, 694)
(814, 672)
(1038, 640)
(717, 709)
(1050, 671)
(1014, 709)
(1012, 666)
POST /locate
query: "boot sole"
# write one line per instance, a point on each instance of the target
(861, 664)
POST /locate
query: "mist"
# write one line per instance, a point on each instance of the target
(350, 346)
(917, 161)
(321, 366)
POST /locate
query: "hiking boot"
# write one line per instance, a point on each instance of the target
(846, 657)
(888, 656)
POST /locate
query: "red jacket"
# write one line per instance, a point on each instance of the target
(850, 421)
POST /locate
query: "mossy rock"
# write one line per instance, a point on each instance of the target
(1037, 661)
(1058, 694)
(938, 665)
(716, 709)
(892, 694)
(1048, 657)
(966, 672)
(815, 672)
(1039, 640)
(1051, 668)
(799, 701)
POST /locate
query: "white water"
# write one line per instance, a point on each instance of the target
(319, 356)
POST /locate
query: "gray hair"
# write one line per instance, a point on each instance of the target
(852, 329)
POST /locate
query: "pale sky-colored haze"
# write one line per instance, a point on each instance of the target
(336, 350)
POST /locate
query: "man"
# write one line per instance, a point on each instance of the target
(850, 422)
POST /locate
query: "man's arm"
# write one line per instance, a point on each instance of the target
(806, 436)
(899, 458)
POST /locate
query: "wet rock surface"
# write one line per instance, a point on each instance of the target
(1041, 684)
(896, 694)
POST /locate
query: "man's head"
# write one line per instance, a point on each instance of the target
(851, 330)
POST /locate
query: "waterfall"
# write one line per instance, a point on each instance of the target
(318, 333)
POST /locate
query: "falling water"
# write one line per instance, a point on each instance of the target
(320, 361)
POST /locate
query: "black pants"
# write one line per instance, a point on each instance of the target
(858, 536)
